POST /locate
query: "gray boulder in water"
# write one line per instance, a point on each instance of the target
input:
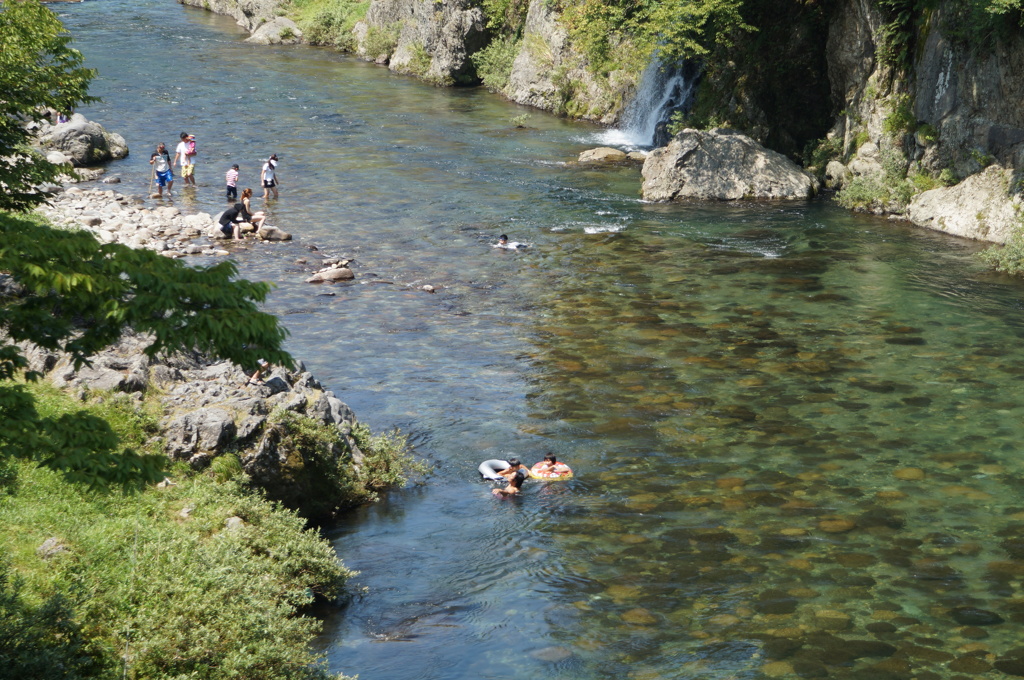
(721, 165)
(84, 142)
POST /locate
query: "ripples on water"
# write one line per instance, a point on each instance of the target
(795, 431)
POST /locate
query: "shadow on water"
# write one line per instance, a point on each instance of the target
(794, 429)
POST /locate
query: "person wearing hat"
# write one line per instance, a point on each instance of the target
(184, 155)
(269, 177)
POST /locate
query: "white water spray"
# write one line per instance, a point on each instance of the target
(661, 90)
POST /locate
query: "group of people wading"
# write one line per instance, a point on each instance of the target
(240, 215)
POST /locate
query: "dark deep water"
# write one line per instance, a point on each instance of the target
(796, 431)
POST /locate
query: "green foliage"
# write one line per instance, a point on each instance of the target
(901, 118)
(38, 70)
(80, 297)
(226, 467)
(889, 191)
(330, 22)
(388, 459)
(40, 641)
(1008, 258)
(948, 178)
(980, 24)
(817, 154)
(507, 17)
(494, 63)
(317, 467)
(860, 139)
(929, 134)
(520, 120)
(617, 34)
(160, 585)
(420, 62)
(381, 41)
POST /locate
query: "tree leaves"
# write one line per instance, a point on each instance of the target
(38, 70)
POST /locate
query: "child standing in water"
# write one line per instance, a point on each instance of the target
(232, 181)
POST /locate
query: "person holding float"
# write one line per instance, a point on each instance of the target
(550, 468)
(500, 470)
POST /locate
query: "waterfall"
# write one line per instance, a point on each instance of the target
(661, 91)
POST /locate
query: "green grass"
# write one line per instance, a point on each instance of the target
(205, 578)
(329, 22)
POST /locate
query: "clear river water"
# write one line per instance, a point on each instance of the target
(796, 431)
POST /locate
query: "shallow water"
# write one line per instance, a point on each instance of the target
(795, 430)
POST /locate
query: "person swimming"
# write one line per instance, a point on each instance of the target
(503, 242)
(515, 485)
(550, 465)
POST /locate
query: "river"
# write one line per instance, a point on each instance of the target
(796, 431)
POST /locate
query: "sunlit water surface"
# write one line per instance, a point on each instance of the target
(796, 431)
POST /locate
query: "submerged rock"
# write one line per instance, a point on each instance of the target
(721, 165)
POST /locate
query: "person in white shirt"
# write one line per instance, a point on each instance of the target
(161, 162)
(182, 158)
(269, 177)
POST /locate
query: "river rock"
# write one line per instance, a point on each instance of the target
(279, 31)
(973, 616)
(268, 233)
(836, 175)
(721, 165)
(980, 207)
(603, 154)
(84, 142)
(332, 274)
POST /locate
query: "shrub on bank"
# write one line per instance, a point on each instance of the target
(330, 22)
(198, 579)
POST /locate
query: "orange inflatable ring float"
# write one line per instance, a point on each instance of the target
(561, 471)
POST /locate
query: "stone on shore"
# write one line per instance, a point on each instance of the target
(980, 207)
(721, 165)
(115, 218)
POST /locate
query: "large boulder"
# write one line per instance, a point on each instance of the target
(280, 31)
(84, 142)
(981, 207)
(721, 165)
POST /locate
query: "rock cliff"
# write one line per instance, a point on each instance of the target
(549, 73)
(431, 40)
(953, 108)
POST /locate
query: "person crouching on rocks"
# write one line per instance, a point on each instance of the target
(256, 378)
(231, 221)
